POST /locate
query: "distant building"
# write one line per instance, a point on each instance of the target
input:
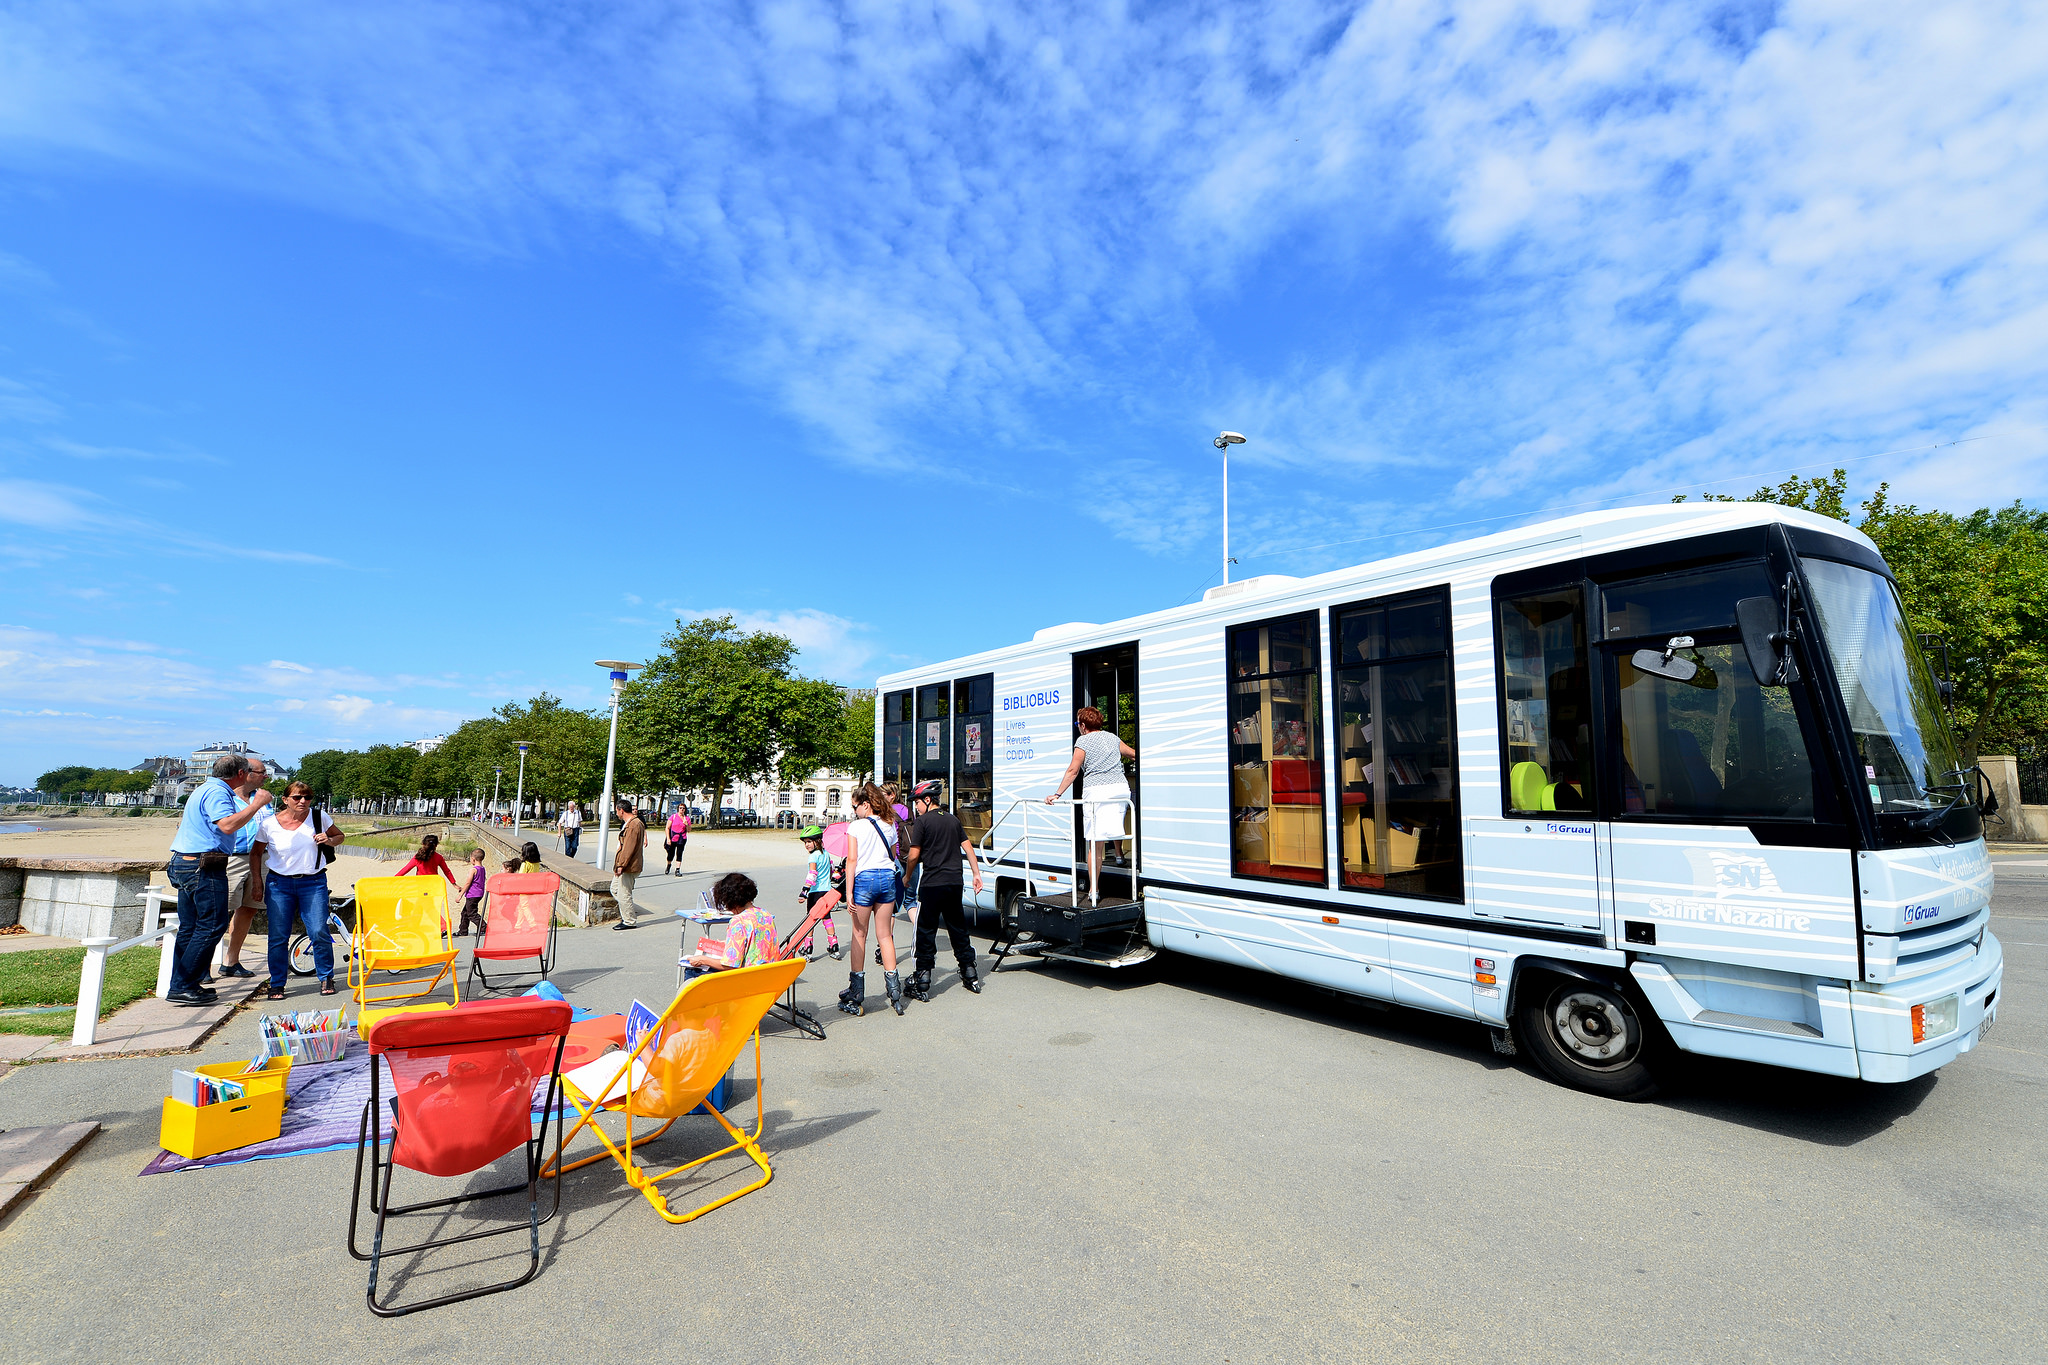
(170, 775)
(200, 766)
(430, 743)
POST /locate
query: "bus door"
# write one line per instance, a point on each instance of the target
(1108, 681)
(1729, 841)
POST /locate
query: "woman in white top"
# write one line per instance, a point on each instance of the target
(1105, 791)
(871, 880)
(295, 883)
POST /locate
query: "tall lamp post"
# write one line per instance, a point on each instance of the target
(519, 801)
(1223, 442)
(497, 776)
(619, 669)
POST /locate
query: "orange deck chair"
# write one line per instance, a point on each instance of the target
(461, 1088)
(519, 926)
(401, 927)
(673, 1068)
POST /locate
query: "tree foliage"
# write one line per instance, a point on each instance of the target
(719, 706)
(78, 780)
(1978, 583)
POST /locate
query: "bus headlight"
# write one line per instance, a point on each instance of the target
(1935, 1018)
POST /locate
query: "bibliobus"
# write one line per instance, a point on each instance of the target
(1649, 778)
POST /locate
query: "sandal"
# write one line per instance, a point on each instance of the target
(327, 985)
(275, 993)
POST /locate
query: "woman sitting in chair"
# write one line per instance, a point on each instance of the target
(749, 938)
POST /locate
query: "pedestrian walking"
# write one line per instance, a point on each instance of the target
(570, 823)
(817, 885)
(626, 863)
(678, 835)
(874, 876)
(473, 894)
(938, 842)
(297, 844)
(199, 870)
(245, 878)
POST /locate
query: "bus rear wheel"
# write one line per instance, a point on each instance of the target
(1589, 1036)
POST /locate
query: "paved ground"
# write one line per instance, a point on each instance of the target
(1189, 1164)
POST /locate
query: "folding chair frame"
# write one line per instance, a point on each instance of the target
(381, 1205)
(547, 957)
(787, 1008)
(638, 1176)
(363, 961)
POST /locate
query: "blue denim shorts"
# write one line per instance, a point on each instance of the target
(876, 886)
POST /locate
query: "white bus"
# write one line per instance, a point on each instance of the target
(1660, 776)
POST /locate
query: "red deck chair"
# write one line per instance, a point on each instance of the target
(792, 944)
(462, 1094)
(519, 924)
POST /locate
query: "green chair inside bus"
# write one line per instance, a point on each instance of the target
(1530, 788)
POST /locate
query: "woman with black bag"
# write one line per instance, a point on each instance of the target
(299, 842)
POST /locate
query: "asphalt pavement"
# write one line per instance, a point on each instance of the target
(1189, 1162)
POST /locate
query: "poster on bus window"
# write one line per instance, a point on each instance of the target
(931, 740)
(973, 759)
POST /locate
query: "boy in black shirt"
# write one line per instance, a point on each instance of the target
(937, 842)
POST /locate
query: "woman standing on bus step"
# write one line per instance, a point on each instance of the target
(1099, 761)
(871, 877)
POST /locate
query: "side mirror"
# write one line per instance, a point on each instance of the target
(1765, 642)
(1987, 796)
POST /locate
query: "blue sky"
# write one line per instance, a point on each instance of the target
(364, 366)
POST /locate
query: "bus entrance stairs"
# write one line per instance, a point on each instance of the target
(1110, 933)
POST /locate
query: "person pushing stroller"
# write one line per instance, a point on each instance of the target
(937, 844)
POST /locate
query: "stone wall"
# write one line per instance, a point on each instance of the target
(75, 897)
(2012, 821)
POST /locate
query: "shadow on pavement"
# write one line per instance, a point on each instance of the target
(1832, 1111)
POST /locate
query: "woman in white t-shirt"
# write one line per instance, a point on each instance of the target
(295, 883)
(1105, 791)
(871, 880)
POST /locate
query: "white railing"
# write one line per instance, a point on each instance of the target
(92, 973)
(1073, 845)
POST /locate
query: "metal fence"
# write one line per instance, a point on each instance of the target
(2033, 775)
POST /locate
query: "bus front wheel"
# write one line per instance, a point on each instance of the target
(1589, 1036)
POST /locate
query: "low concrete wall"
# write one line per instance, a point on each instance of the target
(2012, 822)
(75, 897)
(586, 892)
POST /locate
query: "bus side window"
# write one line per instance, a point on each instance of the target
(1548, 710)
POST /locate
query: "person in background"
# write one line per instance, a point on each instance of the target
(529, 857)
(817, 884)
(511, 864)
(199, 870)
(907, 909)
(871, 876)
(295, 884)
(245, 877)
(749, 937)
(473, 894)
(937, 843)
(678, 835)
(427, 860)
(627, 861)
(570, 823)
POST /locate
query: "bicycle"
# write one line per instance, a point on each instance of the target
(341, 924)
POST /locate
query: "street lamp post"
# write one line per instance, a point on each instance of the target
(619, 669)
(497, 776)
(519, 801)
(1223, 442)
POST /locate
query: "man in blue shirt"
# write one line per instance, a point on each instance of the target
(199, 870)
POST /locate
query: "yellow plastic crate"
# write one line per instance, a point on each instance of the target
(257, 1117)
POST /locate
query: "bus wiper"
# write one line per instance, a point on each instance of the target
(1932, 818)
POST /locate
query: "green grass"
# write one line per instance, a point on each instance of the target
(406, 843)
(49, 976)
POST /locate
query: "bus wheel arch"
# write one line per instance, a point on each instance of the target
(1587, 1028)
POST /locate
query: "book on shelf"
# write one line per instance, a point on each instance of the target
(189, 1087)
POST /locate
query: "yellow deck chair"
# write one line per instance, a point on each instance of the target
(675, 1066)
(401, 926)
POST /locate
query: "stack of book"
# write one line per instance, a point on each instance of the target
(307, 1036)
(189, 1087)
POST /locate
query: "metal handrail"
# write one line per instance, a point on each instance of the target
(1073, 857)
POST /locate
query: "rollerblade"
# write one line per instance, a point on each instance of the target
(921, 986)
(894, 985)
(969, 979)
(834, 951)
(853, 999)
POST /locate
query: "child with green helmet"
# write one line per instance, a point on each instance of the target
(817, 882)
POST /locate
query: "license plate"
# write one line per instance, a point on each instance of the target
(1984, 1029)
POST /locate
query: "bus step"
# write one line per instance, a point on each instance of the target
(1102, 956)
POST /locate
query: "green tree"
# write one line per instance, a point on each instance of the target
(61, 781)
(321, 770)
(1978, 582)
(719, 706)
(853, 747)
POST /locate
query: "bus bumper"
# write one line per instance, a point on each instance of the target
(1884, 1016)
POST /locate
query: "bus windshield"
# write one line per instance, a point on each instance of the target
(1907, 758)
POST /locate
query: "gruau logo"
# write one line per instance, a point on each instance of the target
(1732, 879)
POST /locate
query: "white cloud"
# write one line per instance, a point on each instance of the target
(828, 646)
